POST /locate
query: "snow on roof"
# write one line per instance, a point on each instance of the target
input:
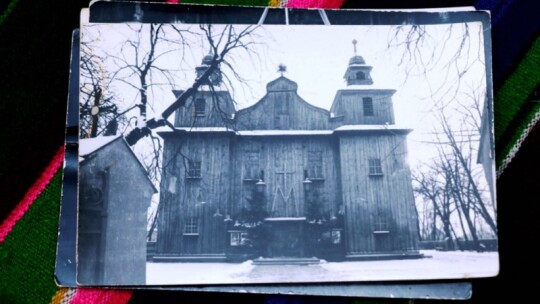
(285, 219)
(292, 132)
(283, 132)
(359, 65)
(90, 145)
(371, 128)
(365, 87)
(204, 129)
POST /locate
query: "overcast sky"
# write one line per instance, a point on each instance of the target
(316, 58)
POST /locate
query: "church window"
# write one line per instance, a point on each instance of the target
(199, 107)
(375, 167)
(194, 169)
(360, 75)
(315, 164)
(381, 224)
(251, 165)
(368, 106)
(191, 226)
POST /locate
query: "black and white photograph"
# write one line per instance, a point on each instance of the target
(243, 154)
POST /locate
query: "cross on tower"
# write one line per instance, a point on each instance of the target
(282, 68)
(354, 45)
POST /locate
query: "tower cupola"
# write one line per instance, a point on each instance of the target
(216, 77)
(358, 72)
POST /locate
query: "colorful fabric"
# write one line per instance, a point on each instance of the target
(28, 250)
(28, 231)
(516, 113)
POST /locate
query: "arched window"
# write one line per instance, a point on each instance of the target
(360, 75)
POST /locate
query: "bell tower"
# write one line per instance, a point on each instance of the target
(360, 102)
(211, 105)
(358, 72)
(216, 77)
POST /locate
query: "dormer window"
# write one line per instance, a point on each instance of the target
(368, 106)
(199, 107)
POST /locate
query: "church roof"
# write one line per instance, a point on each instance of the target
(281, 83)
(373, 128)
(365, 87)
(357, 59)
(207, 60)
(344, 128)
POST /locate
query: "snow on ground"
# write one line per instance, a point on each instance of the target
(436, 265)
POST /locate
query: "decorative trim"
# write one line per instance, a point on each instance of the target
(515, 148)
(314, 3)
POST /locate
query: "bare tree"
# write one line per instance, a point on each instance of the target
(141, 63)
(463, 158)
(98, 110)
(221, 44)
(437, 192)
(135, 64)
(448, 59)
(454, 179)
(454, 51)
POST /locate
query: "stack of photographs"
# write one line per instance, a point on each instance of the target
(284, 151)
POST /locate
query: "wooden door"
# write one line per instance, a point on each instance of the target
(383, 242)
(286, 239)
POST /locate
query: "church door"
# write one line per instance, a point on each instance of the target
(286, 238)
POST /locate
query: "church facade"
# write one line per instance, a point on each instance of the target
(286, 179)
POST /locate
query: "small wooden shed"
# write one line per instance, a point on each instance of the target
(114, 196)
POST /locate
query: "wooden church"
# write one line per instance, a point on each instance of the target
(283, 179)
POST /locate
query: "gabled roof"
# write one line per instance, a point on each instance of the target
(89, 146)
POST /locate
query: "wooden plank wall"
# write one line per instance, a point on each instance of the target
(286, 154)
(349, 104)
(282, 100)
(365, 196)
(184, 116)
(125, 194)
(205, 198)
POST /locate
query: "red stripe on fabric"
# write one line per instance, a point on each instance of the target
(32, 194)
(314, 3)
(101, 296)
